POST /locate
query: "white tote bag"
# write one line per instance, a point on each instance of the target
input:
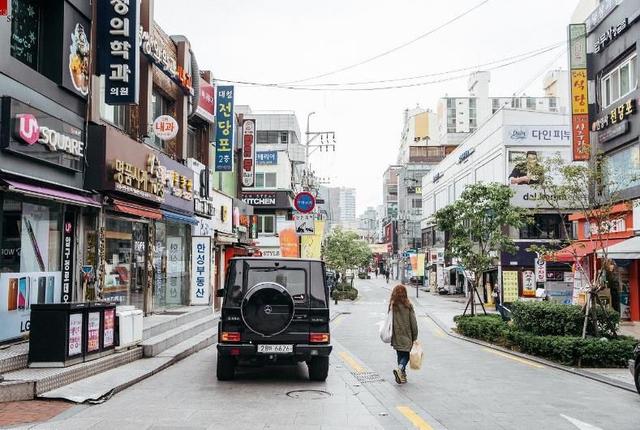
(386, 331)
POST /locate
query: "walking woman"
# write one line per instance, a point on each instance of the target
(405, 330)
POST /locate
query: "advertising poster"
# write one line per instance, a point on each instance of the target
(312, 244)
(510, 286)
(200, 269)
(521, 169)
(580, 284)
(18, 291)
(528, 283)
(75, 334)
(420, 268)
(288, 239)
(413, 258)
(93, 331)
(34, 255)
(109, 327)
(175, 269)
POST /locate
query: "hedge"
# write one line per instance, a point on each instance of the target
(567, 350)
(555, 319)
(343, 292)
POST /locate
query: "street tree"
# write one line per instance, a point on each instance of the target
(344, 250)
(591, 190)
(476, 225)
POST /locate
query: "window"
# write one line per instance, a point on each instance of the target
(495, 105)
(160, 105)
(531, 103)
(515, 103)
(473, 122)
(623, 168)
(284, 137)
(266, 224)
(265, 180)
(193, 142)
(451, 116)
(416, 203)
(272, 137)
(546, 226)
(620, 81)
(26, 26)
(116, 115)
(553, 104)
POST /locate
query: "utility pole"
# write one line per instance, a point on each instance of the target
(311, 148)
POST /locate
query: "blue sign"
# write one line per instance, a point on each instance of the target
(304, 202)
(118, 51)
(224, 129)
(267, 157)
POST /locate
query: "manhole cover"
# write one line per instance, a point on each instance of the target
(364, 377)
(309, 394)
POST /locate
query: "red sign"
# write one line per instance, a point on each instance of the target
(580, 132)
(4, 7)
(206, 103)
(304, 202)
(248, 152)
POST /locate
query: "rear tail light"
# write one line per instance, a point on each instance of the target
(319, 337)
(230, 336)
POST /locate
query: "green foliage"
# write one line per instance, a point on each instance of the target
(475, 224)
(344, 292)
(567, 350)
(344, 250)
(555, 319)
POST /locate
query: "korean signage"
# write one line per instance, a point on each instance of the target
(118, 22)
(32, 133)
(615, 115)
(528, 284)
(146, 181)
(175, 270)
(600, 13)
(537, 134)
(154, 49)
(200, 269)
(579, 92)
(224, 129)
(75, 335)
(202, 201)
(304, 202)
(509, 286)
(93, 331)
(178, 182)
(165, 127)
(248, 152)
(206, 102)
(109, 327)
(68, 242)
(610, 35)
(541, 269)
(616, 225)
(267, 157)
(305, 224)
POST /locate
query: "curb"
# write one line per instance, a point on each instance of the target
(575, 371)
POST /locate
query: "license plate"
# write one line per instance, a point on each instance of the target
(275, 349)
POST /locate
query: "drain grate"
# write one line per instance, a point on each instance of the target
(364, 377)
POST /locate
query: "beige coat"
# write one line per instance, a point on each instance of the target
(405, 328)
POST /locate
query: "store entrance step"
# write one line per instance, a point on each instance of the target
(155, 345)
(13, 357)
(159, 323)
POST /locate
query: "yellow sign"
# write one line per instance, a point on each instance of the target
(509, 286)
(420, 271)
(312, 243)
(579, 101)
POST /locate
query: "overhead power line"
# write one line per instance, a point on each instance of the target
(388, 87)
(389, 51)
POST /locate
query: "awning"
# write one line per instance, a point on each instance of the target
(579, 249)
(225, 238)
(175, 217)
(625, 250)
(137, 210)
(51, 194)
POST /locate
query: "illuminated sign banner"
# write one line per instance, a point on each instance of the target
(248, 152)
(579, 93)
(224, 129)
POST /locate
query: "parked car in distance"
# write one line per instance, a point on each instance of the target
(274, 311)
(634, 367)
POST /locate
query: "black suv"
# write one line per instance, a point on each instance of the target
(275, 310)
(634, 367)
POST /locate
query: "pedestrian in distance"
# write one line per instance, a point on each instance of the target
(386, 275)
(405, 330)
(376, 272)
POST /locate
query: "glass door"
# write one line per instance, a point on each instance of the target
(139, 266)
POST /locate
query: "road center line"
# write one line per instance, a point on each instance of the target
(351, 362)
(414, 418)
(511, 357)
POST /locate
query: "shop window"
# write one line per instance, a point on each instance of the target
(623, 168)
(160, 105)
(265, 180)
(171, 277)
(266, 224)
(115, 115)
(546, 226)
(620, 81)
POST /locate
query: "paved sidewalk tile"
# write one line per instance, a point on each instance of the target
(31, 411)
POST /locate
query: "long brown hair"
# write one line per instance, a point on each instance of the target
(399, 295)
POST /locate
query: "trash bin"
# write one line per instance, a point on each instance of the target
(57, 337)
(137, 325)
(95, 330)
(124, 324)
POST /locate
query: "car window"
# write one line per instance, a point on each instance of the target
(318, 286)
(234, 292)
(294, 280)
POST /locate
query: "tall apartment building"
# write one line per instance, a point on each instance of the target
(348, 207)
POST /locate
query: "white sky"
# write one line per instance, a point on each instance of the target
(285, 40)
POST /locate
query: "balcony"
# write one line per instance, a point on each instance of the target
(426, 154)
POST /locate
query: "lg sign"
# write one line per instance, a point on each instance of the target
(29, 132)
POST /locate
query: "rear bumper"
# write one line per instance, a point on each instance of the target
(304, 351)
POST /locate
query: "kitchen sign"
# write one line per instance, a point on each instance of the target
(248, 152)
(224, 129)
(259, 199)
(117, 25)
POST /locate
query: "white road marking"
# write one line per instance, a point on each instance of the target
(581, 425)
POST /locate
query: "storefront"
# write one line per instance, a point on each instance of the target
(42, 210)
(145, 235)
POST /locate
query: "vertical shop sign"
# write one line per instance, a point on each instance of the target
(528, 283)
(75, 335)
(248, 152)
(579, 93)
(224, 129)
(541, 270)
(93, 331)
(109, 327)
(67, 256)
(200, 269)
(174, 271)
(118, 23)
(509, 286)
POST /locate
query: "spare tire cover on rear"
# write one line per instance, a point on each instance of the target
(267, 308)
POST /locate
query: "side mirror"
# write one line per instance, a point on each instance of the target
(220, 292)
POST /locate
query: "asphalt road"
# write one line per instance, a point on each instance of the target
(460, 386)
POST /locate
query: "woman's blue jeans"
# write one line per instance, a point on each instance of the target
(403, 359)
